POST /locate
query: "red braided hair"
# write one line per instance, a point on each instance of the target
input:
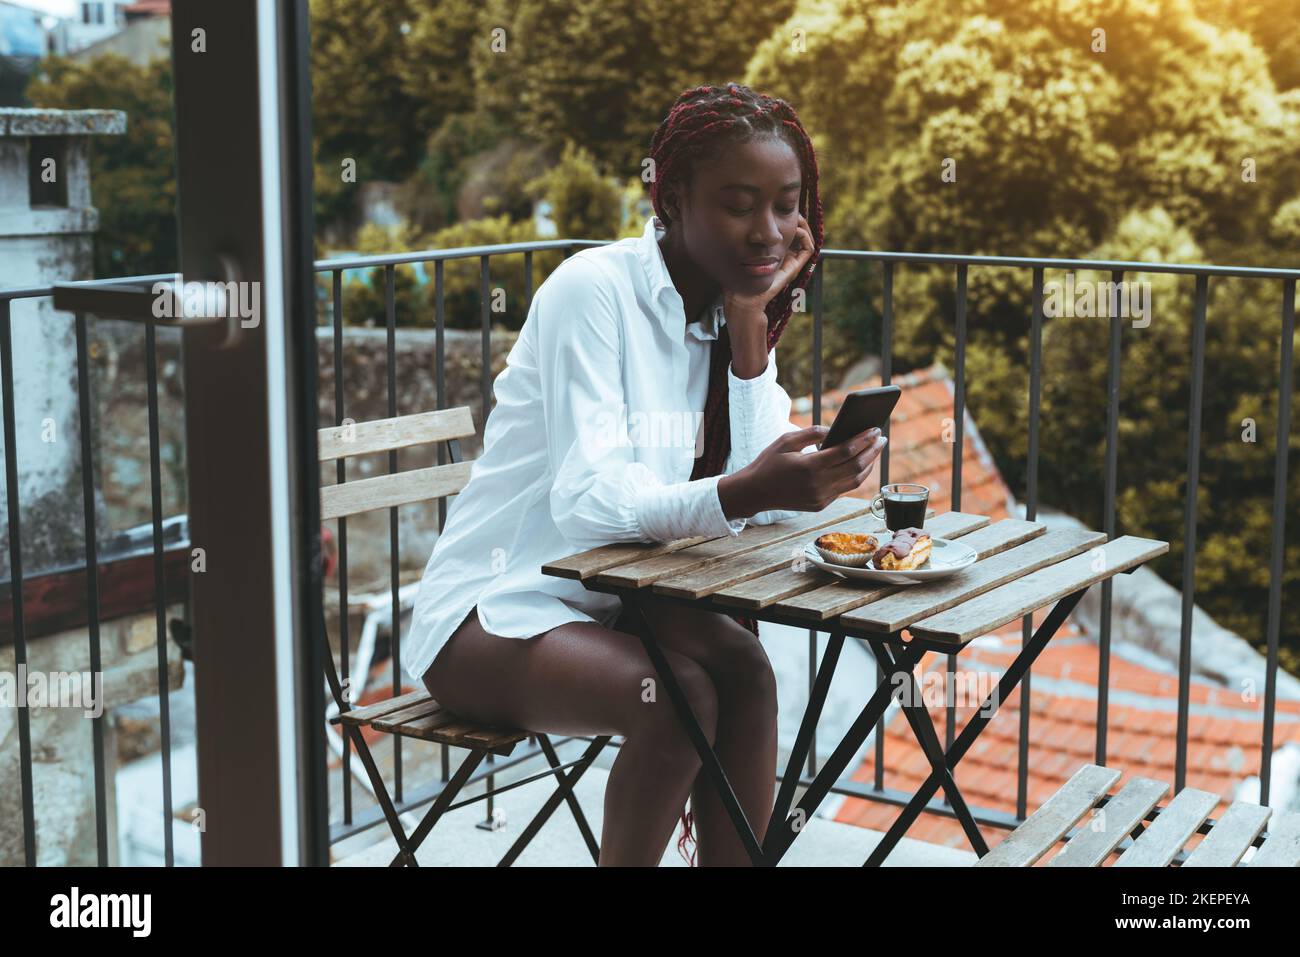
(703, 122)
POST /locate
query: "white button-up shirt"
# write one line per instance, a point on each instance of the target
(592, 440)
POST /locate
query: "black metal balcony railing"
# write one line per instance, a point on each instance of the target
(889, 261)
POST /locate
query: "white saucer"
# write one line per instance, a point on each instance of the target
(946, 558)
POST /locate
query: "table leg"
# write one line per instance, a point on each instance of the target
(1060, 611)
(712, 766)
(918, 716)
(779, 839)
(807, 728)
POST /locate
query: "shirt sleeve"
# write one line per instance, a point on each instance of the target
(600, 493)
(760, 414)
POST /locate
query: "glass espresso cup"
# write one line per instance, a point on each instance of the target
(901, 506)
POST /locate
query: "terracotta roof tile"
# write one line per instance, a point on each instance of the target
(1223, 748)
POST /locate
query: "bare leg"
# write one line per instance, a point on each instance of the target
(746, 730)
(583, 679)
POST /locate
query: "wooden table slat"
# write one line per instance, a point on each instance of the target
(702, 582)
(647, 571)
(596, 560)
(790, 580)
(839, 595)
(1011, 601)
(912, 603)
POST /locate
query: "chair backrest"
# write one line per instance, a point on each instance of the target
(399, 488)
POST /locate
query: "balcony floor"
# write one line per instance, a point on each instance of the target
(457, 842)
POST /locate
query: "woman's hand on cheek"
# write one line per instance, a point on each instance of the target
(747, 313)
(745, 305)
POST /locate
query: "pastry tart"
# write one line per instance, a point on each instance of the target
(846, 548)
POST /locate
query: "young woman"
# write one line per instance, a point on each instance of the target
(594, 439)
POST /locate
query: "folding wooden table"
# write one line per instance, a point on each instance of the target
(1022, 567)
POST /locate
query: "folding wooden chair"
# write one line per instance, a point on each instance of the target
(1155, 835)
(417, 715)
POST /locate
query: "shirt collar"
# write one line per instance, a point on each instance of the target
(661, 282)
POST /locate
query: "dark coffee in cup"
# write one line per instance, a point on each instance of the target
(905, 511)
(904, 506)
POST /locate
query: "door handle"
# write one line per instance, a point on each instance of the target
(168, 300)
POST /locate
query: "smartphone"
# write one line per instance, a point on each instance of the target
(862, 410)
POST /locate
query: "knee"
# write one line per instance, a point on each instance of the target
(660, 724)
(744, 670)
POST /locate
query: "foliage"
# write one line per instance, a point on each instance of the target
(383, 72)
(1063, 150)
(586, 204)
(415, 288)
(604, 72)
(1179, 141)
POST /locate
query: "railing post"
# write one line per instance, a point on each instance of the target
(1189, 528)
(1278, 545)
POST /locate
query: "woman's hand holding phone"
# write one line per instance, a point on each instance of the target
(783, 477)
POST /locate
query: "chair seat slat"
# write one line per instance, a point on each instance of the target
(1031, 840)
(1164, 838)
(1230, 837)
(1281, 845)
(1106, 829)
(368, 712)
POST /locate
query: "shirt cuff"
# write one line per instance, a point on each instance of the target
(685, 510)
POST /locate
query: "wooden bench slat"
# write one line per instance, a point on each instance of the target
(1110, 824)
(647, 571)
(1230, 837)
(379, 708)
(1281, 844)
(1042, 829)
(1165, 836)
(838, 596)
(912, 603)
(383, 435)
(1012, 601)
(387, 491)
(790, 581)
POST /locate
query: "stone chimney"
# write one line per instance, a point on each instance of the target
(46, 227)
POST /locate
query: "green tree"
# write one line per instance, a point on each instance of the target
(1271, 25)
(585, 204)
(133, 183)
(604, 72)
(1163, 138)
(361, 108)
